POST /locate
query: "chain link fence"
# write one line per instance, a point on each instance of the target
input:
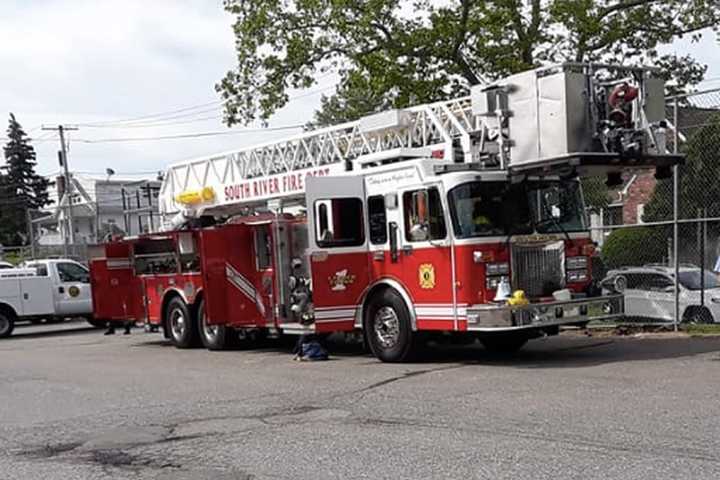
(17, 255)
(657, 229)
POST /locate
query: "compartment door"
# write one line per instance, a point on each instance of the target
(231, 279)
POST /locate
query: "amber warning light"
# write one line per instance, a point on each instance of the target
(195, 197)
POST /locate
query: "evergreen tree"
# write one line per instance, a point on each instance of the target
(21, 189)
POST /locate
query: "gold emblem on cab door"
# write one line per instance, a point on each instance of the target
(427, 275)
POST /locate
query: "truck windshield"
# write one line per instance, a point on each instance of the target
(481, 209)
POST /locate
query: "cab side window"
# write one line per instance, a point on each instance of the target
(40, 269)
(423, 212)
(71, 272)
(339, 222)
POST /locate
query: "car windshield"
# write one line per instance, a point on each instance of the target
(691, 280)
(481, 209)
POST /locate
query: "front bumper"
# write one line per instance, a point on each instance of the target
(499, 318)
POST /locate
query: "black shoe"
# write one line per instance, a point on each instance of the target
(110, 331)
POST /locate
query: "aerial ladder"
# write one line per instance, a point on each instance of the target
(589, 118)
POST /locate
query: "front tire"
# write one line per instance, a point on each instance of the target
(7, 324)
(180, 324)
(698, 316)
(213, 337)
(388, 328)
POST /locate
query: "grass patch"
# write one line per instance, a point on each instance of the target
(701, 330)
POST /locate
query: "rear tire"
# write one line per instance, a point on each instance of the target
(504, 344)
(388, 328)
(213, 337)
(7, 324)
(181, 325)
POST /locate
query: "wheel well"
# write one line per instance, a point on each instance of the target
(8, 310)
(196, 305)
(381, 287)
(691, 309)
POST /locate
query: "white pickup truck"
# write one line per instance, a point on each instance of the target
(44, 289)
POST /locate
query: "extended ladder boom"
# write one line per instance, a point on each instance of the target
(582, 116)
(276, 170)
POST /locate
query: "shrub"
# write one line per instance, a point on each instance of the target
(634, 247)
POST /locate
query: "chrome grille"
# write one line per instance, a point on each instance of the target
(538, 269)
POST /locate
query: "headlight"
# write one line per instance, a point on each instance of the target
(497, 269)
(577, 276)
(576, 263)
(492, 282)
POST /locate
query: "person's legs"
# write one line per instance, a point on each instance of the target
(128, 326)
(110, 330)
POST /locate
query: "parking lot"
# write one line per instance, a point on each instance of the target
(79, 405)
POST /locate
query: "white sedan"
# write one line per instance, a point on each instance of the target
(650, 293)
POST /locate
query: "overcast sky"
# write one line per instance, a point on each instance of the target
(84, 61)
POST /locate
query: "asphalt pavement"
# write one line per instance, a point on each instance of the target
(75, 404)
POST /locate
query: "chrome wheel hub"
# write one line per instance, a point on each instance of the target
(386, 327)
(178, 323)
(210, 331)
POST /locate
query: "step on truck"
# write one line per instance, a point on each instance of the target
(460, 218)
(50, 290)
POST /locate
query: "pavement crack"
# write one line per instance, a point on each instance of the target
(398, 378)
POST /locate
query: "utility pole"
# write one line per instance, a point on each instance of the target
(62, 157)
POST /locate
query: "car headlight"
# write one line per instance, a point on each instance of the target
(497, 268)
(577, 276)
(576, 263)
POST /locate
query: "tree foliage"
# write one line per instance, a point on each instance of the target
(401, 52)
(699, 178)
(21, 189)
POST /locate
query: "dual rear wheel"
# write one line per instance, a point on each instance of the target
(187, 330)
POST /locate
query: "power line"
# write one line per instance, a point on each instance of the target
(152, 115)
(191, 110)
(186, 135)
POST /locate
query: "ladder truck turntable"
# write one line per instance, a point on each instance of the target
(462, 216)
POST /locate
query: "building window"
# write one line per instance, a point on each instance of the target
(613, 215)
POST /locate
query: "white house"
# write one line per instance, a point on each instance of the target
(100, 205)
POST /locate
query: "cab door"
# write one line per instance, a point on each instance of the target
(338, 249)
(72, 289)
(425, 257)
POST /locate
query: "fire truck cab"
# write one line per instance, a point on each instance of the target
(464, 216)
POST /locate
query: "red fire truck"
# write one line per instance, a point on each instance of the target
(462, 217)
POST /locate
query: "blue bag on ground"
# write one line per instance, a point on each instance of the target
(312, 350)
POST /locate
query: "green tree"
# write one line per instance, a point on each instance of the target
(401, 52)
(699, 178)
(21, 189)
